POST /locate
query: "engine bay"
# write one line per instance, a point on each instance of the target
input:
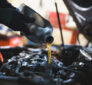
(69, 66)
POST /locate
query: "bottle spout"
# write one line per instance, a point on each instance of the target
(49, 39)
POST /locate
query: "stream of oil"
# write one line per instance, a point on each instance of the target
(49, 52)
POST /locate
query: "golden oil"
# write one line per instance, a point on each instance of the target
(49, 52)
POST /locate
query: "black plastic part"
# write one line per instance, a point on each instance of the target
(49, 39)
(82, 16)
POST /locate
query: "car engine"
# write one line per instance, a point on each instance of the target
(71, 66)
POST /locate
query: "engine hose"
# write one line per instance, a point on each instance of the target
(71, 79)
(38, 80)
(8, 78)
(69, 82)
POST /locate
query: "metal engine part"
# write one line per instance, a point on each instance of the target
(32, 67)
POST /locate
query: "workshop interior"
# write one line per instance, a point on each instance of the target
(45, 42)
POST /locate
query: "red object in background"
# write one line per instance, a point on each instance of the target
(11, 41)
(54, 21)
(1, 58)
(74, 37)
(15, 41)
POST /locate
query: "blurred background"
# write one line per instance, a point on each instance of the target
(45, 8)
